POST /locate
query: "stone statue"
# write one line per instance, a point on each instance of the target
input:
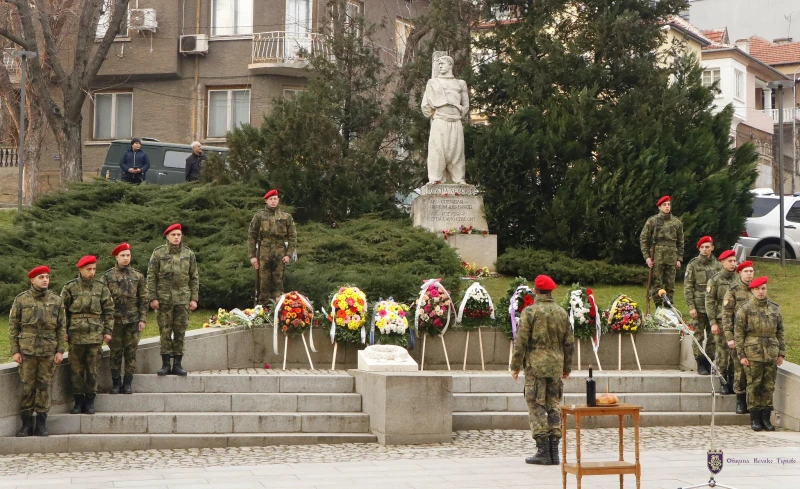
(446, 102)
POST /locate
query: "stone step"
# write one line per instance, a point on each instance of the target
(240, 383)
(123, 442)
(667, 401)
(229, 402)
(207, 423)
(520, 420)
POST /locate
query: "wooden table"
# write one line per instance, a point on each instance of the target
(620, 466)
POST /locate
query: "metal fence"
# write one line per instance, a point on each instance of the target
(9, 156)
(287, 47)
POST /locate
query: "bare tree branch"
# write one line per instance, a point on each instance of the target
(23, 43)
(49, 41)
(118, 14)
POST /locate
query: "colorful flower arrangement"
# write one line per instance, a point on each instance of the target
(624, 315)
(584, 315)
(473, 271)
(391, 320)
(433, 309)
(256, 316)
(476, 308)
(463, 230)
(293, 315)
(520, 295)
(348, 315)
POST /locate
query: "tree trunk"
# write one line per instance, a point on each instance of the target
(69, 145)
(30, 173)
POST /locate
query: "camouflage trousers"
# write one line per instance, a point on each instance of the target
(270, 275)
(663, 278)
(84, 363)
(543, 394)
(702, 331)
(760, 384)
(173, 320)
(124, 342)
(36, 374)
(724, 361)
(739, 375)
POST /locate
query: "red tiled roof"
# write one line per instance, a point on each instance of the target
(717, 36)
(682, 23)
(774, 54)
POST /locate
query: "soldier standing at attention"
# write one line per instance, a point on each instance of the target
(272, 240)
(699, 270)
(664, 233)
(173, 286)
(129, 291)
(37, 331)
(758, 333)
(737, 296)
(90, 321)
(544, 348)
(716, 289)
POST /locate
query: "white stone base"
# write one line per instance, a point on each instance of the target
(375, 365)
(476, 248)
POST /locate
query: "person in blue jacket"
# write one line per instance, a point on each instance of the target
(134, 163)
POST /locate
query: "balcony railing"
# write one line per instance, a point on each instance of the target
(8, 156)
(11, 64)
(788, 114)
(287, 47)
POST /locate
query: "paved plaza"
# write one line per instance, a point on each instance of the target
(671, 457)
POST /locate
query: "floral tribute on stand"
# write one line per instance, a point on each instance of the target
(294, 315)
(251, 318)
(476, 310)
(432, 314)
(391, 321)
(624, 316)
(348, 316)
(584, 316)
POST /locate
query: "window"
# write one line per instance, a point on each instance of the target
(105, 20)
(738, 84)
(710, 77)
(231, 17)
(227, 109)
(794, 213)
(501, 12)
(113, 115)
(176, 159)
(763, 206)
(402, 31)
(354, 11)
(290, 93)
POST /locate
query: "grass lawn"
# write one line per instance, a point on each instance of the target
(6, 216)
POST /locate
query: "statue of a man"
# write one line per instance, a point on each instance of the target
(446, 102)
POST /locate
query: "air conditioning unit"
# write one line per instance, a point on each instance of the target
(142, 19)
(194, 44)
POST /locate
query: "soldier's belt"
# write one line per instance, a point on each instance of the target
(763, 339)
(85, 316)
(665, 243)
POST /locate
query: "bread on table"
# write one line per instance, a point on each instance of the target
(606, 399)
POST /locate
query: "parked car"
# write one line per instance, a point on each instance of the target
(762, 228)
(167, 160)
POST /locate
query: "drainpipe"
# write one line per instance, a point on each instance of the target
(196, 95)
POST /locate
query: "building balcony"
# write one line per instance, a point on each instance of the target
(789, 114)
(285, 53)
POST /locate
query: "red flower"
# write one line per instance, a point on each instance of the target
(266, 365)
(456, 193)
(588, 292)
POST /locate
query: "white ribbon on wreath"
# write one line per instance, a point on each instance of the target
(418, 310)
(598, 329)
(467, 295)
(278, 307)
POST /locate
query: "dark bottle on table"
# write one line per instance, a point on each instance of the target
(591, 390)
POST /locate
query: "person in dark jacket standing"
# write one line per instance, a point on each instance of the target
(194, 162)
(134, 163)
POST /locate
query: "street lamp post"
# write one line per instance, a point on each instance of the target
(795, 114)
(780, 85)
(23, 55)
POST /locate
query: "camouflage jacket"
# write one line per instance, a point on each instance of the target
(544, 340)
(37, 324)
(758, 331)
(737, 296)
(666, 232)
(172, 275)
(274, 232)
(698, 271)
(129, 291)
(716, 289)
(90, 311)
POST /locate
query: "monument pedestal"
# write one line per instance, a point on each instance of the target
(480, 249)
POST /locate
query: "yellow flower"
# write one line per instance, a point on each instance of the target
(339, 322)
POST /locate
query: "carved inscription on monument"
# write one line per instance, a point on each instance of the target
(452, 209)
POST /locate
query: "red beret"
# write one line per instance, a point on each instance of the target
(662, 200)
(758, 282)
(38, 270)
(120, 248)
(726, 254)
(704, 239)
(271, 193)
(744, 265)
(544, 283)
(86, 260)
(173, 228)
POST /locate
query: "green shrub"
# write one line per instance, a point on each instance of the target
(529, 263)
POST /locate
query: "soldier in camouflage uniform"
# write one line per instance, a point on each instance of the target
(37, 331)
(544, 348)
(665, 232)
(716, 289)
(90, 321)
(758, 333)
(129, 291)
(272, 241)
(698, 271)
(173, 286)
(738, 295)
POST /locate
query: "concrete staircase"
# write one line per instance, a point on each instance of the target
(493, 400)
(211, 411)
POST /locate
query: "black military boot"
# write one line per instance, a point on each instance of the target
(765, 421)
(730, 379)
(554, 459)
(116, 384)
(165, 366)
(702, 366)
(41, 425)
(542, 456)
(755, 420)
(727, 387)
(88, 407)
(126, 385)
(741, 403)
(27, 425)
(79, 399)
(177, 369)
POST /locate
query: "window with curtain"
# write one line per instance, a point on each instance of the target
(231, 18)
(738, 84)
(227, 109)
(113, 115)
(402, 31)
(105, 21)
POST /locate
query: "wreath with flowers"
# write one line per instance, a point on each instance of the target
(390, 319)
(520, 295)
(293, 315)
(476, 308)
(624, 315)
(255, 317)
(433, 308)
(584, 315)
(348, 315)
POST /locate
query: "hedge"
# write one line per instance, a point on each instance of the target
(527, 262)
